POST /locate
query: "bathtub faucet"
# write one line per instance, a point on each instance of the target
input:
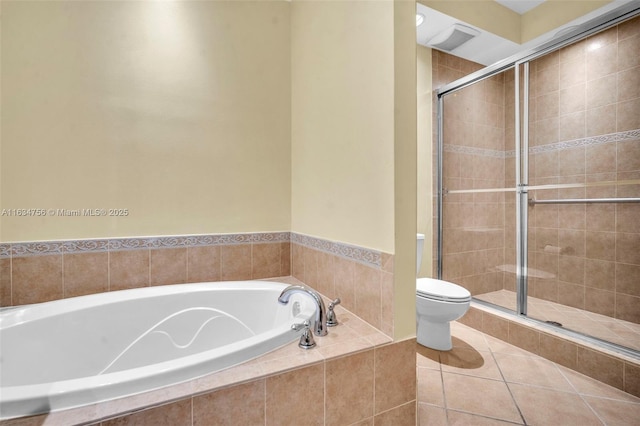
(319, 328)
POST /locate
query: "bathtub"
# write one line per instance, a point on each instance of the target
(83, 350)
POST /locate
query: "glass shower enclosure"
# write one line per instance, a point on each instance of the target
(538, 183)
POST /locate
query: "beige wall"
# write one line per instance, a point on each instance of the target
(405, 167)
(176, 111)
(425, 156)
(354, 163)
(342, 122)
(214, 117)
(554, 13)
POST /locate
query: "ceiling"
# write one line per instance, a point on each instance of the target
(520, 6)
(488, 48)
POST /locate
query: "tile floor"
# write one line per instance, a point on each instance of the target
(618, 331)
(485, 381)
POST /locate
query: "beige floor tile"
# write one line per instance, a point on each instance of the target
(470, 362)
(490, 398)
(464, 419)
(541, 406)
(430, 389)
(500, 346)
(532, 371)
(587, 386)
(429, 415)
(466, 337)
(461, 387)
(427, 358)
(615, 412)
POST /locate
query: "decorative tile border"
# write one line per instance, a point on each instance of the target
(366, 256)
(40, 248)
(461, 149)
(558, 146)
(584, 142)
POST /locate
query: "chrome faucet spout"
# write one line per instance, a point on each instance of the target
(319, 328)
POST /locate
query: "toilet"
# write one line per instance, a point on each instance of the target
(437, 304)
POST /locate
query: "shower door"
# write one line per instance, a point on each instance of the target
(538, 187)
(583, 224)
(478, 186)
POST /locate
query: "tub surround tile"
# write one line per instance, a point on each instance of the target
(85, 273)
(344, 275)
(265, 261)
(203, 264)
(238, 374)
(5, 282)
(310, 257)
(362, 285)
(36, 279)
(326, 274)
(127, 405)
(237, 405)
(350, 386)
(395, 375)
(175, 414)
(129, 269)
(284, 407)
(368, 295)
(285, 259)
(168, 266)
(297, 261)
(235, 262)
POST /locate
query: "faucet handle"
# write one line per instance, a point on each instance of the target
(306, 339)
(332, 321)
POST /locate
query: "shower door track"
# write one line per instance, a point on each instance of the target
(623, 350)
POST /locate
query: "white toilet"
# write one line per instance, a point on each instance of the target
(437, 304)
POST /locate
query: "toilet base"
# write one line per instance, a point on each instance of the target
(434, 335)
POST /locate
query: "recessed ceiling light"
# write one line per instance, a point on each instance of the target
(419, 19)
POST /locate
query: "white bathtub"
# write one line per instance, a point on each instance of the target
(83, 350)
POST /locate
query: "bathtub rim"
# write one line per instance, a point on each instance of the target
(119, 383)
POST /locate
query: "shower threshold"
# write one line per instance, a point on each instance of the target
(617, 331)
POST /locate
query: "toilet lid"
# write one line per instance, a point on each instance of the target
(441, 290)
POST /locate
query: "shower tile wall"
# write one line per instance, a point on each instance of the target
(474, 144)
(585, 128)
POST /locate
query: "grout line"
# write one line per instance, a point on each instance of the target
(581, 396)
(524, 421)
(484, 417)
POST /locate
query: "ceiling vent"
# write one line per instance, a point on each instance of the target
(453, 37)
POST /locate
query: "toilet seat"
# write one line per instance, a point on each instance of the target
(433, 289)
